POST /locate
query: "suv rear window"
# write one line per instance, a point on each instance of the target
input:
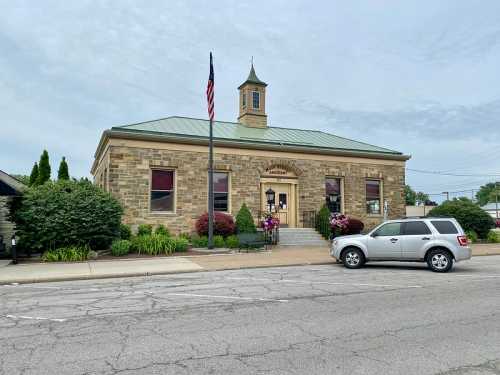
(445, 227)
(416, 227)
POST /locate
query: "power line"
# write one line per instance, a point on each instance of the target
(452, 174)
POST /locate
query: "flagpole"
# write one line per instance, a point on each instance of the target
(211, 167)
(211, 189)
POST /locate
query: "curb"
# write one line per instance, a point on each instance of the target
(146, 274)
(156, 273)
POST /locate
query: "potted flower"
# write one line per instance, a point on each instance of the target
(339, 224)
(269, 222)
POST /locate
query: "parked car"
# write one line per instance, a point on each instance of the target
(437, 241)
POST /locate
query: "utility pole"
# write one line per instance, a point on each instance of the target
(496, 198)
(447, 193)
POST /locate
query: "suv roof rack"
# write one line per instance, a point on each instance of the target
(427, 217)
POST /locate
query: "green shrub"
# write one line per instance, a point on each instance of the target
(199, 241)
(493, 237)
(125, 232)
(63, 172)
(232, 242)
(34, 175)
(185, 235)
(67, 254)
(43, 168)
(471, 235)
(219, 241)
(181, 244)
(120, 248)
(323, 225)
(145, 230)
(468, 214)
(244, 220)
(161, 229)
(66, 213)
(153, 244)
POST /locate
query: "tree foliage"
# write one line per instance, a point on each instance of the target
(63, 172)
(422, 197)
(34, 175)
(244, 220)
(487, 193)
(66, 213)
(412, 197)
(470, 216)
(43, 168)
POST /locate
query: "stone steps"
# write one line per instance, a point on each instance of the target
(301, 237)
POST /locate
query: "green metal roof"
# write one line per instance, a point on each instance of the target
(232, 131)
(252, 78)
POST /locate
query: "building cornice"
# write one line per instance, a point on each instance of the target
(253, 145)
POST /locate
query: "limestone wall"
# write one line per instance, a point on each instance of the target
(130, 170)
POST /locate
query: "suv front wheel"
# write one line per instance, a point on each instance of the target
(440, 260)
(353, 258)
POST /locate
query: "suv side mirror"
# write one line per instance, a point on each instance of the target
(374, 234)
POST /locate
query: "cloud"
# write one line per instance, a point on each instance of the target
(401, 74)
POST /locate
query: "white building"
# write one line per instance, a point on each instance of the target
(493, 209)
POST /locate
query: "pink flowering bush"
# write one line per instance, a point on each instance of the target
(339, 223)
(343, 225)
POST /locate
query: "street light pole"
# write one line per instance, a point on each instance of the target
(447, 193)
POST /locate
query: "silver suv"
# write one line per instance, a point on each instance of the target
(437, 241)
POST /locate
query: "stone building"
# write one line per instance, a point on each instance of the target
(9, 188)
(159, 169)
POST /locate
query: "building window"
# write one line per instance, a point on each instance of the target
(282, 201)
(244, 100)
(333, 194)
(373, 196)
(162, 190)
(256, 99)
(221, 191)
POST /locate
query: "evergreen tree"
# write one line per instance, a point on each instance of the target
(34, 175)
(244, 220)
(43, 168)
(63, 173)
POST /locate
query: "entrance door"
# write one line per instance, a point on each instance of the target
(283, 203)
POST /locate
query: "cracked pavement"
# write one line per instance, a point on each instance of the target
(387, 318)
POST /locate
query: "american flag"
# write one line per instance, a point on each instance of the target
(210, 90)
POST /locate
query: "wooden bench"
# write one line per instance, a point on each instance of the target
(252, 240)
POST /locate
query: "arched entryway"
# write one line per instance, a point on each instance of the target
(283, 180)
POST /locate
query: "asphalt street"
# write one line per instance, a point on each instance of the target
(387, 318)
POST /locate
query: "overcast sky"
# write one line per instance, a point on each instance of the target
(421, 77)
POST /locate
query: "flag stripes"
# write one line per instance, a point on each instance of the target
(210, 91)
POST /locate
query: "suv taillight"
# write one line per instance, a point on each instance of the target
(462, 240)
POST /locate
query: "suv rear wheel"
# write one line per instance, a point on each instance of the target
(440, 260)
(353, 258)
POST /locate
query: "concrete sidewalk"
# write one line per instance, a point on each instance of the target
(38, 272)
